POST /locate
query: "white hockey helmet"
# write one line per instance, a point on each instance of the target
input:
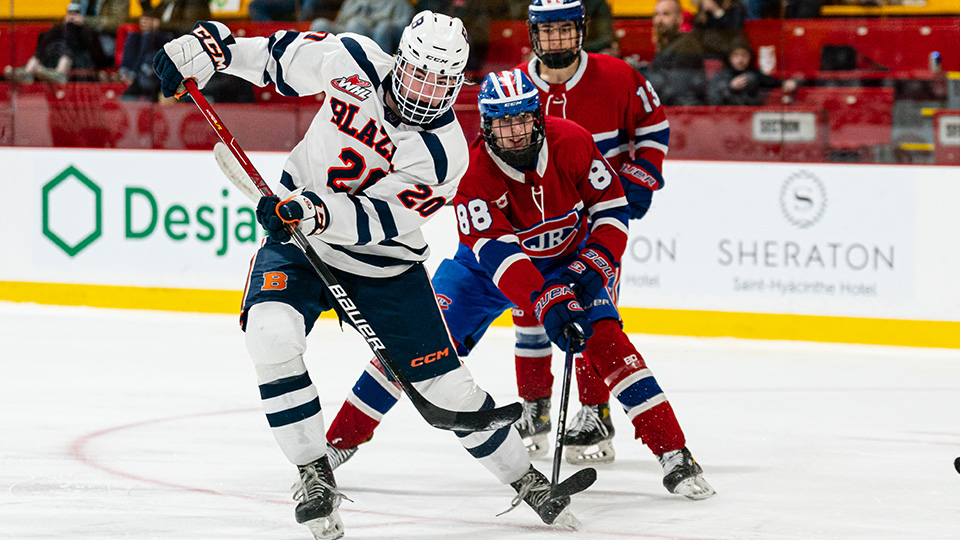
(428, 68)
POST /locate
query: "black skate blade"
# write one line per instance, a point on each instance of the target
(576, 483)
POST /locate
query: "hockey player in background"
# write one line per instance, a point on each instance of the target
(623, 113)
(383, 154)
(629, 126)
(542, 219)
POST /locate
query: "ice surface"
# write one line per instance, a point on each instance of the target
(143, 425)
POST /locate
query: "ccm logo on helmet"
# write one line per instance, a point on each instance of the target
(437, 59)
(432, 357)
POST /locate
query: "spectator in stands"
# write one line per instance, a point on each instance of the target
(476, 16)
(599, 38)
(68, 50)
(179, 16)
(279, 10)
(740, 82)
(717, 23)
(677, 70)
(107, 15)
(136, 68)
(381, 20)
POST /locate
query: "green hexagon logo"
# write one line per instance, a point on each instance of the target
(63, 199)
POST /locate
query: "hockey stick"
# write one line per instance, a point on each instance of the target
(347, 310)
(562, 416)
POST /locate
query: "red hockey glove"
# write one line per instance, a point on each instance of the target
(639, 185)
(557, 309)
(591, 272)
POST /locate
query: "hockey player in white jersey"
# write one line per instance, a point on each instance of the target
(383, 154)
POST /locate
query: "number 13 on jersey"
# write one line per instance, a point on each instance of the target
(648, 95)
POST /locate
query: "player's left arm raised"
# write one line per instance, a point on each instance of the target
(290, 60)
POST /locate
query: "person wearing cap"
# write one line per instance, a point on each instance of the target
(70, 46)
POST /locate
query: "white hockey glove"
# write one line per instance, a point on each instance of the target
(304, 210)
(198, 55)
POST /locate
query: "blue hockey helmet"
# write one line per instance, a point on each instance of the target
(513, 98)
(556, 55)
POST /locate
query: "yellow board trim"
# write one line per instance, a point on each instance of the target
(910, 333)
(113, 296)
(920, 147)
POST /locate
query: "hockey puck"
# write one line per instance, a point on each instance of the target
(956, 464)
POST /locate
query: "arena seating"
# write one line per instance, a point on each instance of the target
(850, 109)
(19, 40)
(894, 44)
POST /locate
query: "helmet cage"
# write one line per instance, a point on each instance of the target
(558, 11)
(416, 90)
(511, 96)
(428, 67)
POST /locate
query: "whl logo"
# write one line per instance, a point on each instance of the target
(72, 211)
(354, 86)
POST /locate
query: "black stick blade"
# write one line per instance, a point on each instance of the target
(487, 420)
(576, 483)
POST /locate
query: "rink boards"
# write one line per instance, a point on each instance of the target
(841, 253)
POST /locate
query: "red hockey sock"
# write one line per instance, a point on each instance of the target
(590, 385)
(534, 379)
(351, 427)
(533, 356)
(626, 375)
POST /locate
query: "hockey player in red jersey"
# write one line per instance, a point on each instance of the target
(542, 219)
(623, 113)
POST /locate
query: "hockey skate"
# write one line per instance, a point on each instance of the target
(590, 437)
(682, 475)
(319, 499)
(337, 456)
(534, 426)
(533, 488)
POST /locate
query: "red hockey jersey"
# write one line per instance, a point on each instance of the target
(517, 222)
(615, 103)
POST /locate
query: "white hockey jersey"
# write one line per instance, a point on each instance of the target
(381, 179)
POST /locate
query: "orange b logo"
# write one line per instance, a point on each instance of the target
(274, 281)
